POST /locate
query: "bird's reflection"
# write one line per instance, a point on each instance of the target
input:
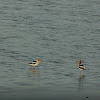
(81, 81)
(81, 77)
(35, 70)
(34, 76)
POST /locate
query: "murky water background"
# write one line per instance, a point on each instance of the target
(60, 32)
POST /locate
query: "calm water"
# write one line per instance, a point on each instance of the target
(60, 32)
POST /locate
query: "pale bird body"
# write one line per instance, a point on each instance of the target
(81, 67)
(35, 63)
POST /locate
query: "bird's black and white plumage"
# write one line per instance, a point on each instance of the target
(81, 67)
(35, 63)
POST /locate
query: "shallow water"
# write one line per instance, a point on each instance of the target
(60, 32)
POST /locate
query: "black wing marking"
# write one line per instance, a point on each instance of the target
(34, 62)
(81, 67)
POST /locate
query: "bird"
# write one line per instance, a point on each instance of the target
(81, 67)
(35, 63)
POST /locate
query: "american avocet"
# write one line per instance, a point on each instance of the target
(81, 67)
(35, 63)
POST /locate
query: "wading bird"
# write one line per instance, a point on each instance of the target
(81, 67)
(35, 63)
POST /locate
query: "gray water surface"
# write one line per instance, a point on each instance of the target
(60, 32)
